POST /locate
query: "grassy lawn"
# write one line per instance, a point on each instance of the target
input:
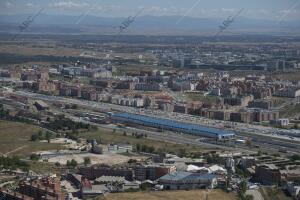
(42, 50)
(291, 76)
(107, 136)
(270, 193)
(176, 195)
(45, 168)
(278, 101)
(15, 139)
(290, 110)
(202, 98)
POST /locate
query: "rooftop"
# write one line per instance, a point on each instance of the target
(185, 176)
(110, 179)
(175, 124)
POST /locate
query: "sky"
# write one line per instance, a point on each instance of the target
(255, 9)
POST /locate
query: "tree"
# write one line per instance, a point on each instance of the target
(131, 161)
(243, 186)
(138, 147)
(242, 172)
(13, 163)
(249, 197)
(151, 149)
(87, 161)
(34, 157)
(40, 134)
(259, 153)
(276, 155)
(67, 106)
(72, 164)
(248, 143)
(74, 106)
(48, 136)
(144, 148)
(181, 153)
(295, 157)
(34, 137)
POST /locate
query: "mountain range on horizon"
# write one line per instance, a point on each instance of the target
(172, 25)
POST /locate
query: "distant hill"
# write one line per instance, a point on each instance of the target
(145, 25)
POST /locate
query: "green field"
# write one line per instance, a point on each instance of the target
(15, 139)
(290, 110)
(202, 98)
(291, 76)
(108, 136)
(46, 168)
(270, 193)
(173, 195)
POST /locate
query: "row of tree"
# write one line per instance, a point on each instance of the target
(42, 136)
(4, 114)
(145, 148)
(13, 163)
(62, 123)
(242, 191)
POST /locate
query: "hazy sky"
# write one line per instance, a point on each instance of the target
(258, 9)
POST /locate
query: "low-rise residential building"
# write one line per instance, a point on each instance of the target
(293, 189)
(94, 172)
(152, 172)
(125, 85)
(120, 148)
(70, 90)
(41, 105)
(48, 187)
(261, 103)
(268, 174)
(238, 101)
(89, 190)
(180, 108)
(290, 175)
(8, 195)
(110, 180)
(280, 122)
(148, 86)
(290, 92)
(75, 179)
(247, 161)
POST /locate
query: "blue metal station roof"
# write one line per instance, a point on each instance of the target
(174, 124)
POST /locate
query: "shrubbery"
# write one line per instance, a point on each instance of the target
(13, 163)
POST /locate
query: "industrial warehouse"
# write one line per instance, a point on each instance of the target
(172, 125)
